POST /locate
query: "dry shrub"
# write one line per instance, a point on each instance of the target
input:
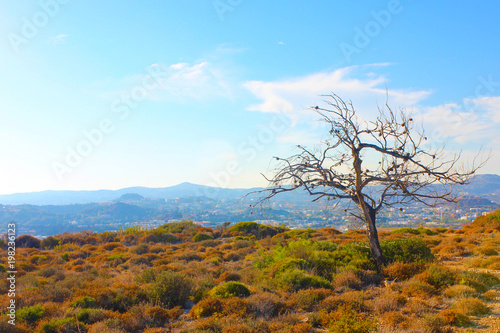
(349, 280)
(158, 248)
(208, 325)
(90, 240)
(402, 271)
(206, 308)
(416, 288)
(28, 241)
(460, 290)
(352, 299)
(388, 302)
(229, 276)
(394, 320)
(345, 319)
(434, 323)
(302, 328)
(238, 328)
(148, 238)
(418, 306)
(471, 306)
(490, 295)
(108, 326)
(231, 256)
(308, 299)
(235, 306)
(265, 305)
(452, 317)
(112, 246)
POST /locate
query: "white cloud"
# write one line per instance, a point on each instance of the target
(295, 95)
(184, 82)
(491, 105)
(59, 39)
(473, 120)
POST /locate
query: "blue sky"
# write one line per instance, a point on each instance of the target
(111, 94)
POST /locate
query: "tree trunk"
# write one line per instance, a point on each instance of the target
(375, 249)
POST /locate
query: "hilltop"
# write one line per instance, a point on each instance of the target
(249, 277)
(482, 185)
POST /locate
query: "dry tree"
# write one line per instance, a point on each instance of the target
(401, 167)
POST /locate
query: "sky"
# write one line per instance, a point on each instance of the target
(112, 94)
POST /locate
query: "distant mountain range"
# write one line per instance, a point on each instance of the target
(482, 185)
(182, 190)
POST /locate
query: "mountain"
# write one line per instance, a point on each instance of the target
(487, 185)
(83, 197)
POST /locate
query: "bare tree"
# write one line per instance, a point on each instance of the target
(400, 166)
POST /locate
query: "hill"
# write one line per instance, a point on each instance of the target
(249, 277)
(482, 185)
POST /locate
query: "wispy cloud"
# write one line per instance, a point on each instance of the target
(59, 39)
(184, 82)
(357, 83)
(471, 121)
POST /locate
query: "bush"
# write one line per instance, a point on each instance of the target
(230, 289)
(406, 250)
(60, 325)
(307, 299)
(452, 317)
(346, 320)
(140, 249)
(206, 308)
(459, 290)
(265, 305)
(402, 271)
(170, 289)
(30, 314)
(90, 316)
(253, 228)
(50, 242)
(28, 241)
(199, 237)
(84, 302)
(482, 282)
(440, 277)
(294, 280)
(471, 306)
(347, 280)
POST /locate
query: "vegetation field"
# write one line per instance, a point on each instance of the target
(181, 277)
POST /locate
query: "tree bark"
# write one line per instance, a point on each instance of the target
(375, 249)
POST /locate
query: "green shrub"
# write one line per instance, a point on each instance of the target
(90, 316)
(296, 279)
(84, 302)
(406, 250)
(440, 277)
(30, 314)
(170, 289)
(60, 325)
(178, 227)
(50, 242)
(147, 276)
(199, 237)
(230, 289)
(482, 282)
(406, 230)
(253, 228)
